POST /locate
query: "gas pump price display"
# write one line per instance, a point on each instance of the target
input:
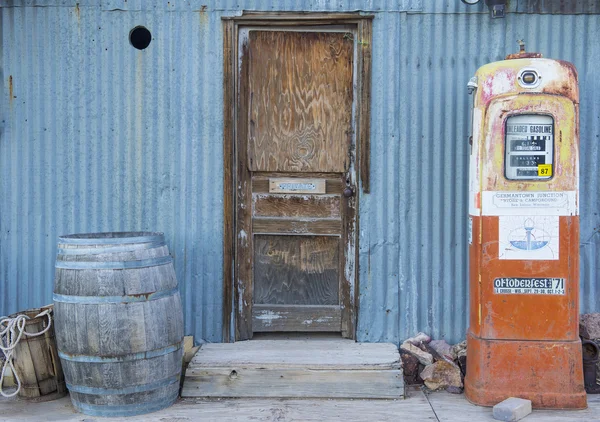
(529, 147)
(527, 160)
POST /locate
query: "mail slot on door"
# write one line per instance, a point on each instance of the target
(281, 185)
(524, 235)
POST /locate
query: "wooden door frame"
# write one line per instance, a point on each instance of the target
(362, 25)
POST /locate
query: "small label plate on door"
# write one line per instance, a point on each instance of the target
(297, 185)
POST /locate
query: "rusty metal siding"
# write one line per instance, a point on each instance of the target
(101, 137)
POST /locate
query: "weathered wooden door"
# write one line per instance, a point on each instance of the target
(295, 163)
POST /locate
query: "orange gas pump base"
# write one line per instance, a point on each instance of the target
(549, 373)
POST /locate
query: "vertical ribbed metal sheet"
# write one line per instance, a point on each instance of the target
(413, 224)
(98, 136)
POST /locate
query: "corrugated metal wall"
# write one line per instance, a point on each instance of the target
(95, 136)
(100, 136)
(413, 236)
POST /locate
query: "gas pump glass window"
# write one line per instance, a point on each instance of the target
(529, 146)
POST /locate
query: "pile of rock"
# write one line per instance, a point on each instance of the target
(589, 329)
(434, 362)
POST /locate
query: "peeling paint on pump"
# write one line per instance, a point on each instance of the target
(524, 257)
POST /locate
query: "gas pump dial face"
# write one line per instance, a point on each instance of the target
(529, 147)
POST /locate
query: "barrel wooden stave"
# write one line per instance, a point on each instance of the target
(108, 282)
(122, 400)
(134, 374)
(117, 405)
(113, 329)
(134, 255)
(134, 316)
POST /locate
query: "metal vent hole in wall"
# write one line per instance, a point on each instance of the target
(140, 37)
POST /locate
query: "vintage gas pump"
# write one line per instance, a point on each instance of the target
(524, 235)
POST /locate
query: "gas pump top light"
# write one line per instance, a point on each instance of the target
(529, 78)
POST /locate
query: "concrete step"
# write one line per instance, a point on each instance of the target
(332, 368)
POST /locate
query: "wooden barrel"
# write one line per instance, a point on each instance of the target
(119, 324)
(36, 360)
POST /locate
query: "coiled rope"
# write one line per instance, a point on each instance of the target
(11, 331)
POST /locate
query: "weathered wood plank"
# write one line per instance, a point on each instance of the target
(298, 81)
(294, 205)
(299, 270)
(284, 18)
(92, 348)
(296, 318)
(255, 382)
(312, 353)
(228, 174)
(244, 237)
(25, 368)
(70, 334)
(414, 408)
(109, 334)
(348, 265)
(42, 361)
(316, 226)
(174, 320)
(79, 326)
(189, 350)
(155, 313)
(137, 327)
(364, 34)
(133, 283)
(51, 374)
(42, 365)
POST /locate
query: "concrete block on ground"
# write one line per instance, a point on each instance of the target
(512, 409)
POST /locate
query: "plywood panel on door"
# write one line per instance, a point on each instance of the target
(300, 101)
(296, 270)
